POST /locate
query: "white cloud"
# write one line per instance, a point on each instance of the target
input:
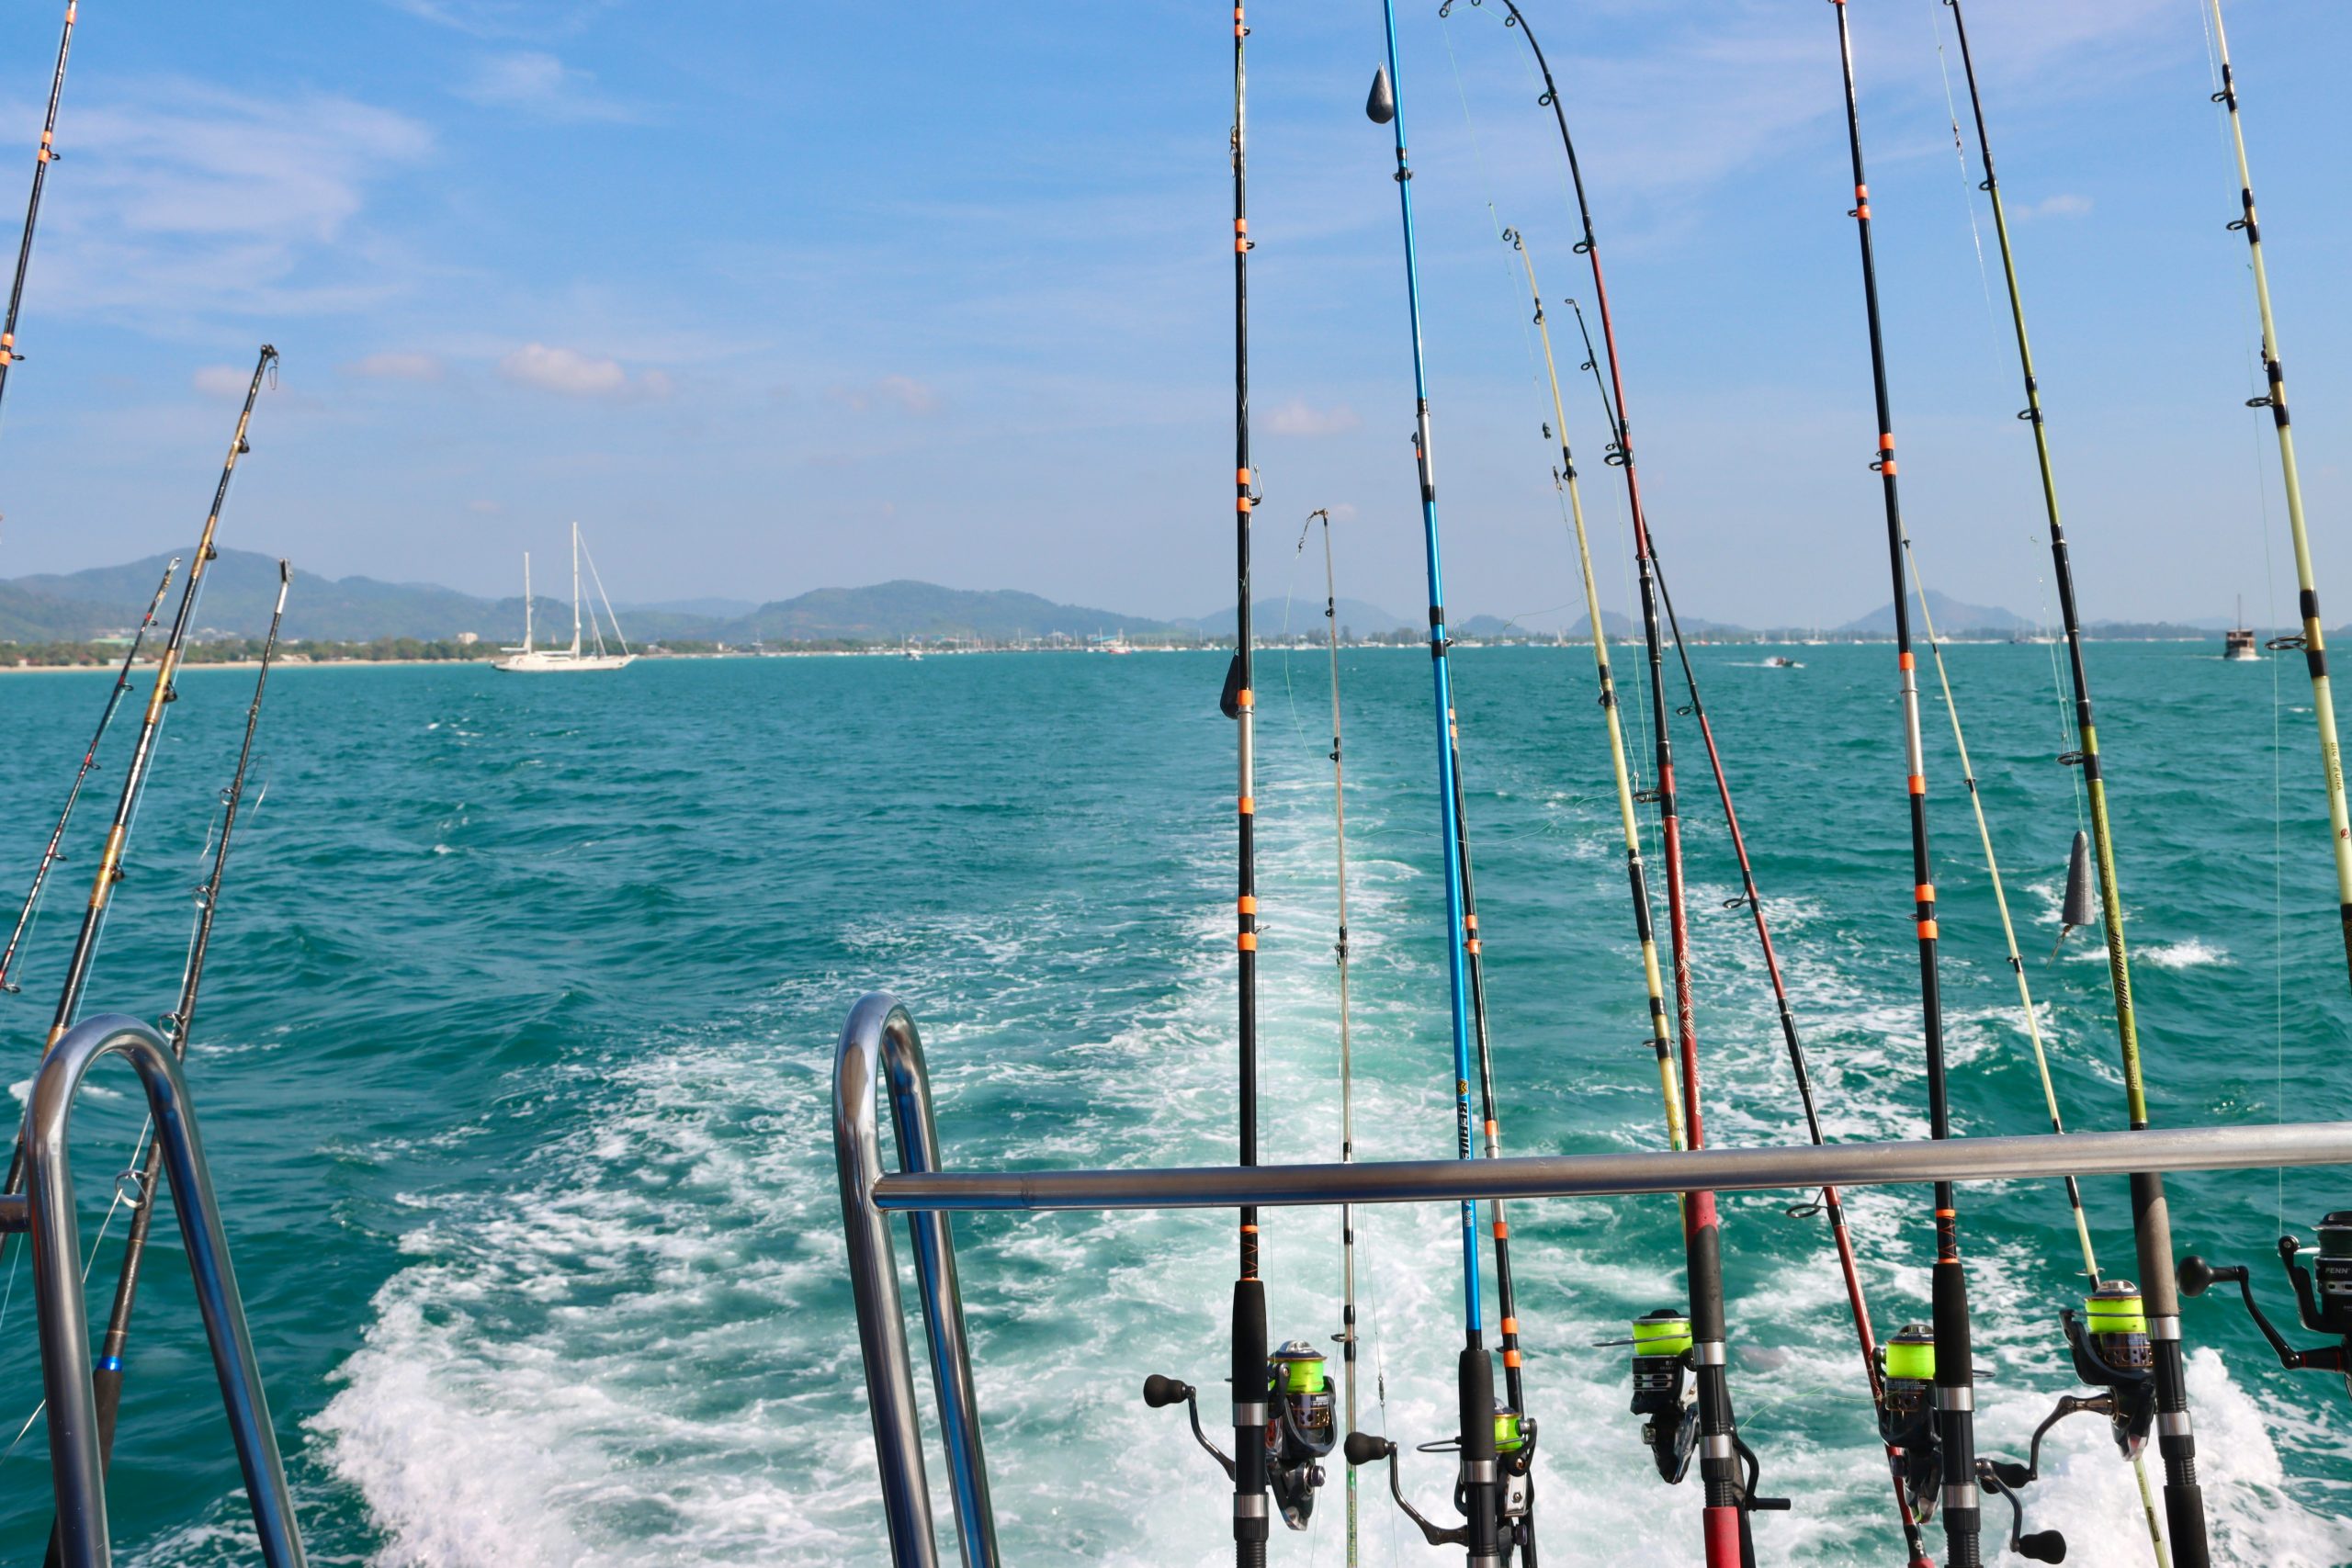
(222, 380)
(2063, 205)
(1299, 417)
(901, 392)
(396, 367)
(542, 86)
(576, 375)
(484, 508)
(192, 201)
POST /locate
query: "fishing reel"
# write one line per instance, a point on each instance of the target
(1906, 1424)
(1302, 1423)
(1663, 1393)
(1506, 1448)
(2323, 1296)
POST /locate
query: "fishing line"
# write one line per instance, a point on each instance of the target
(1960, 157)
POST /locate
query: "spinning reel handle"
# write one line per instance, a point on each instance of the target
(2196, 1276)
(2011, 1474)
(1362, 1449)
(1159, 1393)
(2043, 1546)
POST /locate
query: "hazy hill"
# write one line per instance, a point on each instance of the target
(1952, 618)
(888, 610)
(1305, 618)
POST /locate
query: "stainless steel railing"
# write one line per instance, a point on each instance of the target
(880, 1047)
(45, 1209)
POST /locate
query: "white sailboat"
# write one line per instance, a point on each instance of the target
(529, 660)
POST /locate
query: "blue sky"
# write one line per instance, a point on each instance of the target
(772, 297)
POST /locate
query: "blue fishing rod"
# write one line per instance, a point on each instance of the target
(1478, 1487)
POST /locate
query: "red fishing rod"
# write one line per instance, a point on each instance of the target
(1728, 1467)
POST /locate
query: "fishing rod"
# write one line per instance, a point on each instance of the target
(1347, 1336)
(2123, 1368)
(2176, 1442)
(107, 1379)
(51, 853)
(1728, 1467)
(1564, 476)
(111, 871)
(1908, 1483)
(1283, 1423)
(1478, 1488)
(2311, 642)
(1949, 1350)
(44, 156)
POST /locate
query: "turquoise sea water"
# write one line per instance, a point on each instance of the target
(514, 1065)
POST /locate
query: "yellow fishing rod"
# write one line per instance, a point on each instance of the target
(2275, 399)
(2152, 1219)
(2134, 1449)
(1565, 476)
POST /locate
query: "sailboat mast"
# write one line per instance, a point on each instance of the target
(575, 591)
(526, 600)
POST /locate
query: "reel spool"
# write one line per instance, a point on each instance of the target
(1663, 1394)
(1906, 1414)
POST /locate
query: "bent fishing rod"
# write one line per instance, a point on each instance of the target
(1831, 1205)
(1728, 1467)
(2121, 1365)
(52, 852)
(1347, 1336)
(43, 155)
(1953, 1425)
(1478, 1487)
(2177, 1440)
(1283, 1423)
(150, 724)
(2311, 642)
(108, 1378)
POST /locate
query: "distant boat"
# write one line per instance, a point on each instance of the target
(1782, 661)
(2238, 641)
(529, 660)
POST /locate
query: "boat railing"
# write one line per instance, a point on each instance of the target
(880, 1050)
(45, 1210)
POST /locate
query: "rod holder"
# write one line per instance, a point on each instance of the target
(879, 1048)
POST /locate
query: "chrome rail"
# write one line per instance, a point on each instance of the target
(879, 1050)
(879, 1044)
(46, 1211)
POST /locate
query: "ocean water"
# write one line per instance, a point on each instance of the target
(514, 1068)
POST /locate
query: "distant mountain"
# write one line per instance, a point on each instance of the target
(1952, 618)
(1305, 618)
(889, 610)
(239, 588)
(706, 609)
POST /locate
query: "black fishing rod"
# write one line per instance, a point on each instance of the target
(43, 156)
(1479, 1486)
(1954, 1418)
(110, 869)
(1728, 1467)
(108, 1378)
(1283, 1421)
(52, 852)
(2176, 1442)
